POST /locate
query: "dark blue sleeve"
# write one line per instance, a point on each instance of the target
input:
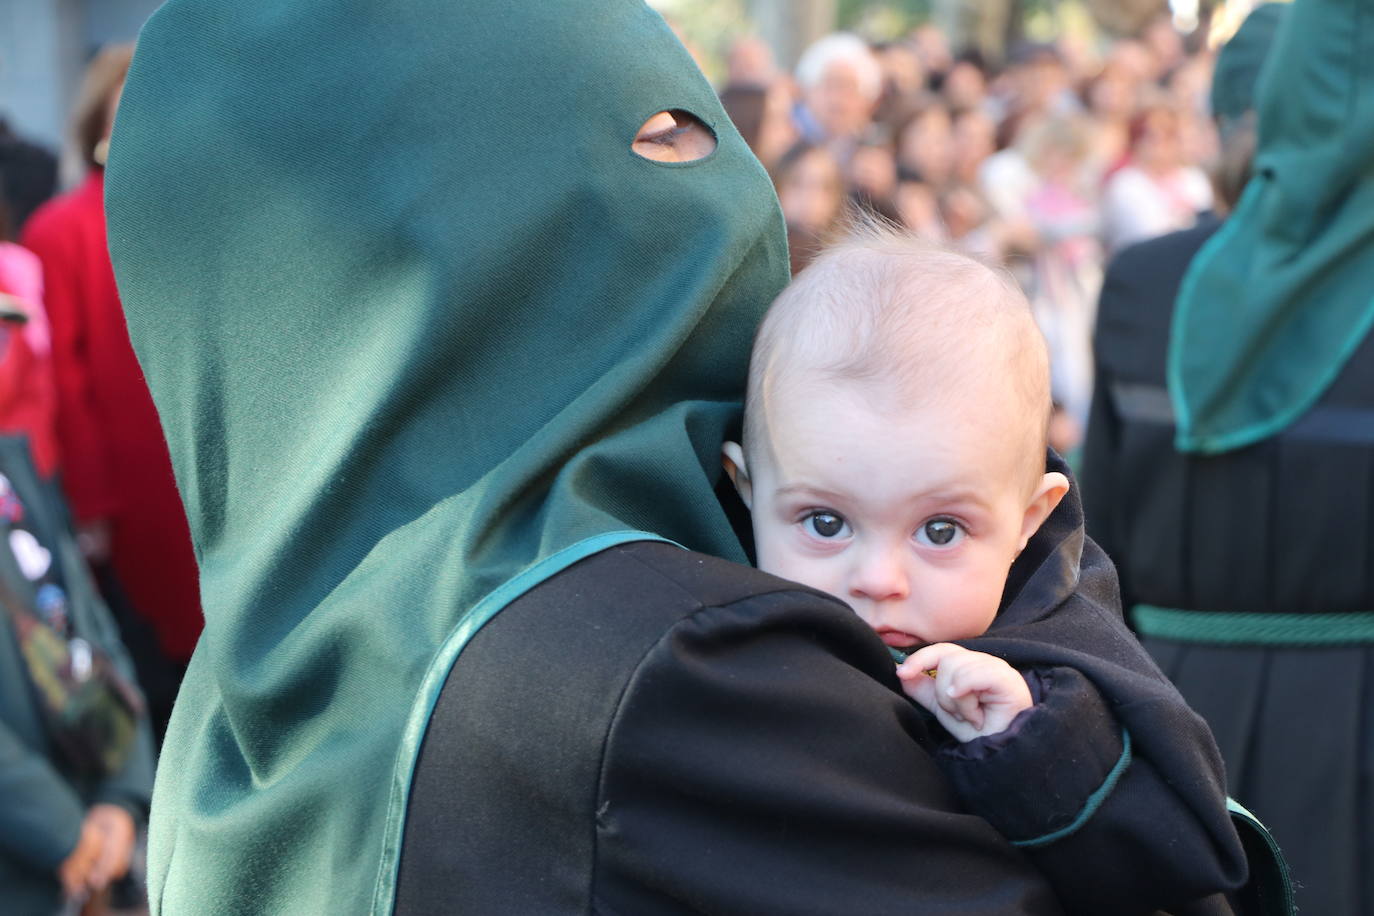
(1067, 786)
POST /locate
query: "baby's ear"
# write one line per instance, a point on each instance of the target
(1051, 489)
(732, 458)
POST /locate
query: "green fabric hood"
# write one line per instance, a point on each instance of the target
(1274, 304)
(1240, 61)
(422, 331)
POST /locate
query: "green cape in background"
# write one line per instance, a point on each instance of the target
(422, 331)
(1275, 303)
(1239, 64)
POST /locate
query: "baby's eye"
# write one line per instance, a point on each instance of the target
(826, 524)
(940, 532)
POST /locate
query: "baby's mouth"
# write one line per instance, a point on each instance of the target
(900, 644)
(897, 639)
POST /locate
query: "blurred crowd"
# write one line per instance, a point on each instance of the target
(1047, 164)
(92, 481)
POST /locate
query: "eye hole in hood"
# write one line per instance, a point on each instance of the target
(674, 136)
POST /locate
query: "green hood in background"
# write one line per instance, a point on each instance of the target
(422, 331)
(1276, 302)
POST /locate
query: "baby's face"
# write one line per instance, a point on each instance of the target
(911, 515)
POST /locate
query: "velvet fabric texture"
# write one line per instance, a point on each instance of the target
(417, 322)
(113, 459)
(1277, 301)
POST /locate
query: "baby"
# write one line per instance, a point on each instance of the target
(894, 456)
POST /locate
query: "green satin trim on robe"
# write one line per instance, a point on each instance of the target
(438, 673)
(1236, 629)
(416, 320)
(1275, 303)
(1270, 885)
(1094, 802)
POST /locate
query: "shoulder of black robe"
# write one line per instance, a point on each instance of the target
(1137, 300)
(657, 731)
(742, 745)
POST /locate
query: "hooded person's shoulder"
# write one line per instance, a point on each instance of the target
(1149, 272)
(1137, 301)
(652, 579)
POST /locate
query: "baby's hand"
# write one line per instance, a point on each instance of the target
(971, 693)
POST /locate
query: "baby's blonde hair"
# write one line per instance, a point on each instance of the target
(911, 319)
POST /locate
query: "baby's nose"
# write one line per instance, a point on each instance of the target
(881, 576)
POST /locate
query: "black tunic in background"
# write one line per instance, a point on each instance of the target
(1283, 526)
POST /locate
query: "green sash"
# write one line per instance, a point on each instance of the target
(1233, 629)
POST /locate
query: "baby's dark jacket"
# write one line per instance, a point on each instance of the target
(1116, 734)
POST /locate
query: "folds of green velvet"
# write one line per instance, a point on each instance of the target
(1275, 303)
(416, 320)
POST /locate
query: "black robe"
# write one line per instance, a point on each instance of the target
(1283, 526)
(656, 731)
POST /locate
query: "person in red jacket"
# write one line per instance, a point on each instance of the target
(115, 468)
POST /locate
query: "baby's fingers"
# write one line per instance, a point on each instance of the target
(918, 685)
(928, 659)
(959, 701)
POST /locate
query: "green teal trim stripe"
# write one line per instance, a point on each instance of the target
(417, 722)
(1093, 803)
(1231, 629)
(1268, 869)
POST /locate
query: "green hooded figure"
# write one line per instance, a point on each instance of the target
(1278, 301)
(431, 341)
(423, 330)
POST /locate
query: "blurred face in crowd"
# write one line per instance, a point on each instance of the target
(1134, 61)
(838, 102)
(873, 172)
(1158, 146)
(1080, 60)
(965, 86)
(962, 210)
(778, 132)
(1164, 42)
(1190, 84)
(112, 107)
(1197, 138)
(933, 47)
(903, 73)
(925, 145)
(975, 139)
(1042, 80)
(918, 210)
(751, 63)
(811, 191)
(1112, 96)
